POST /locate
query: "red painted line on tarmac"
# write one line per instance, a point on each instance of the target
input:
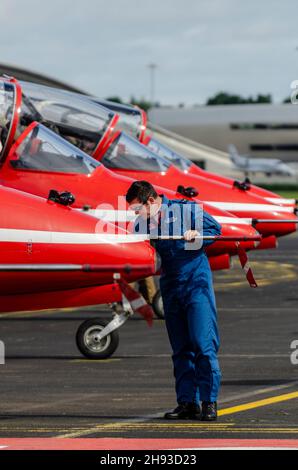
(50, 443)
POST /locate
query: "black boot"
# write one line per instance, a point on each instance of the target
(185, 411)
(209, 411)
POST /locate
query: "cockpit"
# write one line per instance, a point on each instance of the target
(80, 121)
(127, 153)
(43, 150)
(174, 158)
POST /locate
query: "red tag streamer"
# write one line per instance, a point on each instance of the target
(136, 300)
(245, 265)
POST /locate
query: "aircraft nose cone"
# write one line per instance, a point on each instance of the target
(139, 256)
(232, 229)
(278, 223)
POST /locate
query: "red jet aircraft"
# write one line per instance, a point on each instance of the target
(53, 257)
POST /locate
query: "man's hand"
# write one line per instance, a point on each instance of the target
(190, 235)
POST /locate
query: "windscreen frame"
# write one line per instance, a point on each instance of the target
(30, 129)
(186, 163)
(14, 121)
(164, 164)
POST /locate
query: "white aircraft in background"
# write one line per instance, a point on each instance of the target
(269, 166)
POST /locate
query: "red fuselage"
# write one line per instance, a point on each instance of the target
(40, 244)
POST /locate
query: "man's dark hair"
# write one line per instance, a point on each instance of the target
(140, 190)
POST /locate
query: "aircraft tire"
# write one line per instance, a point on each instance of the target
(157, 305)
(92, 348)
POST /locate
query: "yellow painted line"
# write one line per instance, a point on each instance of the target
(262, 431)
(113, 427)
(204, 432)
(184, 430)
(257, 404)
(236, 431)
(184, 424)
(120, 427)
(27, 431)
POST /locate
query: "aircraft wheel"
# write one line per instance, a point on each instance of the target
(157, 305)
(90, 345)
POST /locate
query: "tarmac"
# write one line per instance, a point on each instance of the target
(49, 390)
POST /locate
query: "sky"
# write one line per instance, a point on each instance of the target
(200, 47)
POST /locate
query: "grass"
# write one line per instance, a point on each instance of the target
(289, 194)
(285, 190)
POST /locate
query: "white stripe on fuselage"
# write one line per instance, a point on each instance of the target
(232, 220)
(244, 207)
(39, 236)
(279, 200)
(109, 215)
(129, 216)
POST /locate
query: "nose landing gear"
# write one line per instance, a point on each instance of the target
(99, 339)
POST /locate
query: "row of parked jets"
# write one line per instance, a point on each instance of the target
(66, 163)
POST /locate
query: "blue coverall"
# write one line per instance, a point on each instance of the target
(189, 307)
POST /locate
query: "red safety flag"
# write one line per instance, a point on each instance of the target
(245, 265)
(136, 300)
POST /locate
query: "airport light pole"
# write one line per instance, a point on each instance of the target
(152, 68)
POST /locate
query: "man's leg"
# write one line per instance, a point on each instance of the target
(183, 355)
(202, 323)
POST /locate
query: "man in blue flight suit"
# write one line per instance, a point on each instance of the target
(188, 295)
